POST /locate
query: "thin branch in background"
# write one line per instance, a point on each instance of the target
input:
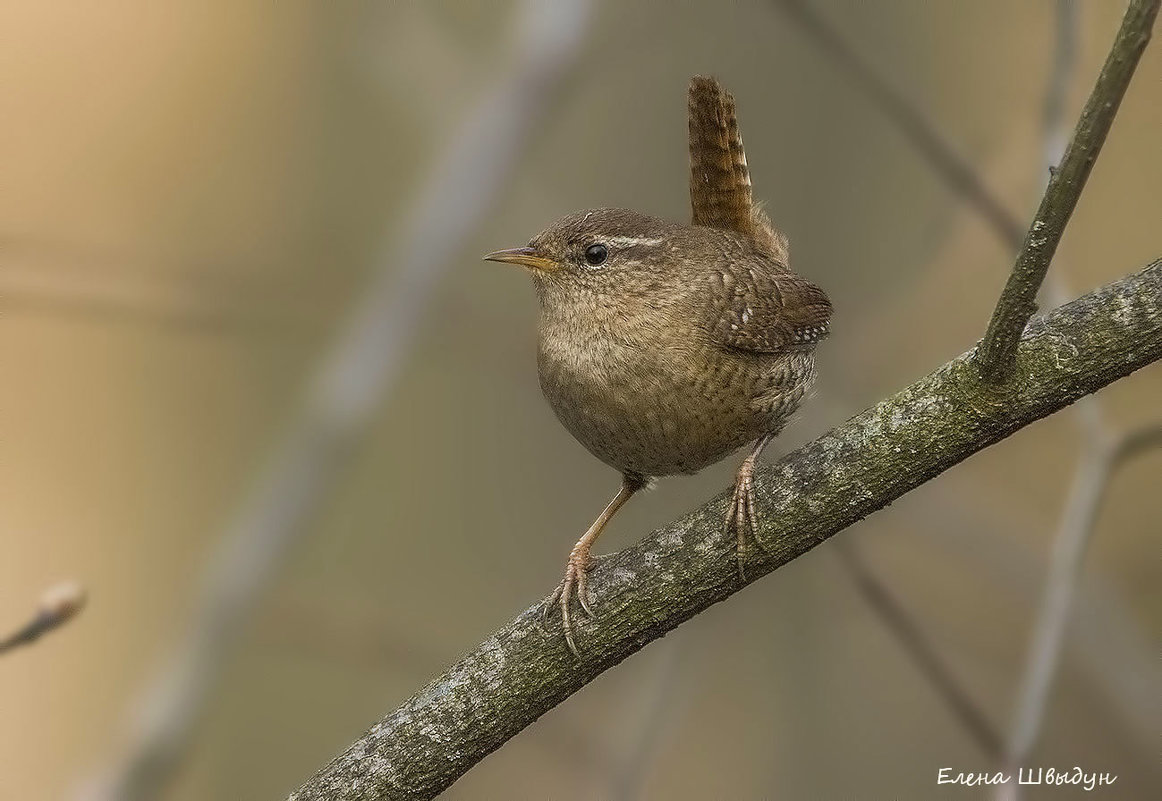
(921, 650)
(996, 355)
(960, 176)
(1137, 442)
(1092, 424)
(345, 391)
(58, 605)
(1055, 131)
(1106, 641)
(1090, 484)
(1067, 26)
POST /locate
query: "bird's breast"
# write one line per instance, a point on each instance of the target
(672, 407)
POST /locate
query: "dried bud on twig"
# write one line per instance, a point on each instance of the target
(60, 603)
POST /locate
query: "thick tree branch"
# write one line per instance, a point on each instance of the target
(522, 671)
(1017, 302)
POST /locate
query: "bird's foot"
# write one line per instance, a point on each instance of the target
(576, 584)
(741, 516)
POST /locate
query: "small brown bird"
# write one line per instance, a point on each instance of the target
(665, 347)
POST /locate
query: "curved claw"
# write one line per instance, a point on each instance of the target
(741, 516)
(566, 619)
(583, 590)
(574, 584)
(550, 603)
(588, 610)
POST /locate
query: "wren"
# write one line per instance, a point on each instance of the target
(665, 347)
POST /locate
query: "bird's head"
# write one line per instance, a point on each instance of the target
(596, 252)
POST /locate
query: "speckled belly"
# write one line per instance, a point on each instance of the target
(658, 416)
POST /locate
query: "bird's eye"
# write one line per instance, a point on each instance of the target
(596, 254)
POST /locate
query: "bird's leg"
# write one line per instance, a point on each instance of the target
(740, 515)
(577, 569)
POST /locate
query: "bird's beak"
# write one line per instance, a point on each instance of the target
(527, 257)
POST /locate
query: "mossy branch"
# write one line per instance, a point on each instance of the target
(522, 671)
(1017, 302)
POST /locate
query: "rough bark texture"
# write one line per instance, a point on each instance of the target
(1018, 301)
(520, 672)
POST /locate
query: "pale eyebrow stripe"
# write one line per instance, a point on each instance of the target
(632, 241)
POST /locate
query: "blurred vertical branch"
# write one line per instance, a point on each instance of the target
(628, 769)
(345, 391)
(921, 650)
(1103, 456)
(1096, 461)
(1102, 453)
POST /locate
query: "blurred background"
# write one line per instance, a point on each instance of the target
(197, 195)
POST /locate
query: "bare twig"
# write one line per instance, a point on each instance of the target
(1137, 442)
(1017, 303)
(678, 571)
(58, 605)
(920, 649)
(346, 390)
